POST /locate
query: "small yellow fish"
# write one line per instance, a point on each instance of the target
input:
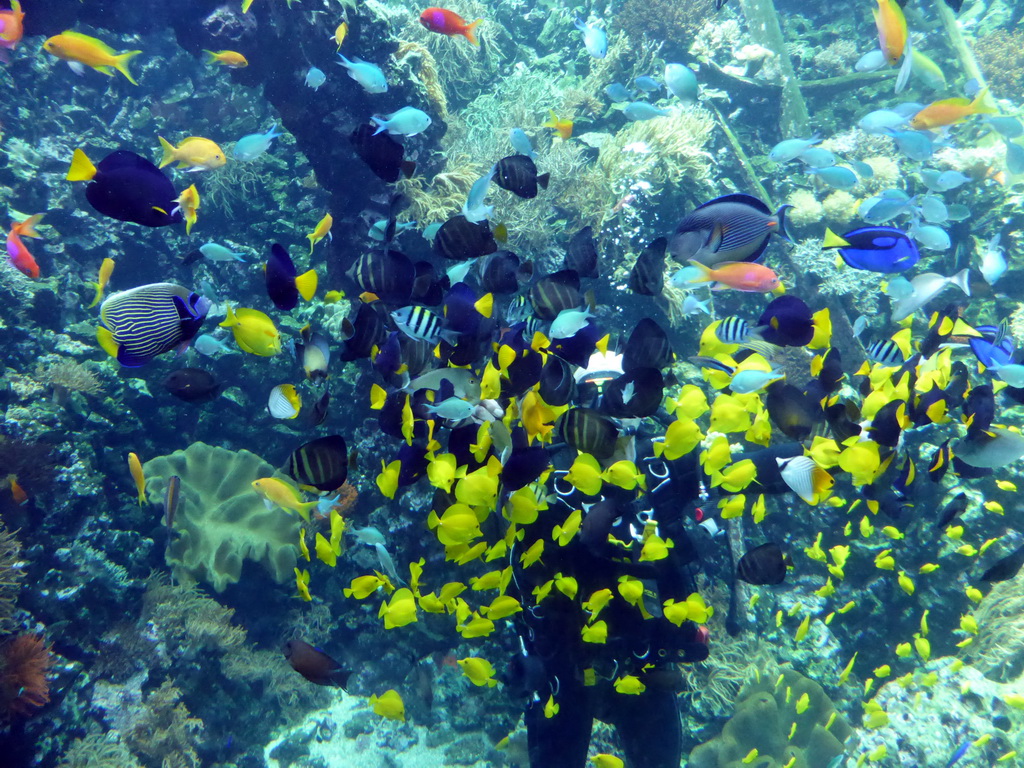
(231, 59)
(137, 474)
(188, 204)
(284, 495)
(78, 50)
(389, 704)
(106, 270)
(194, 153)
(320, 231)
(340, 33)
(561, 126)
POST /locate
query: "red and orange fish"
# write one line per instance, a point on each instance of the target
(11, 28)
(17, 252)
(449, 23)
(949, 111)
(745, 276)
(892, 29)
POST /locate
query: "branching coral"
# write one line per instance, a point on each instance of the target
(24, 662)
(1001, 57)
(11, 576)
(165, 732)
(655, 21)
(264, 671)
(189, 621)
(65, 375)
(445, 194)
(712, 685)
(427, 73)
(98, 751)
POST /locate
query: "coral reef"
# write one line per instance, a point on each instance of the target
(188, 621)
(769, 719)
(64, 375)
(164, 733)
(31, 462)
(24, 663)
(11, 577)
(806, 208)
(1000, 55)
(221, 521)
(998, 649)
(426, 73)
(840, 207)
(672, 24)
(711, 686)
(98, 751)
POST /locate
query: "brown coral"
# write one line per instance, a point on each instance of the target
(10, 578)
(427, 73)
(24, 662)
(66, 375)
(164, 733)
(664, 21)
(1001, 57)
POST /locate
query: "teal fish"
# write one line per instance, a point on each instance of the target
(368, 75)
(248, 148)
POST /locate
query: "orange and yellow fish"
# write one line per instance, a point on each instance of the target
(892, 29)
(194, 153)
(11, 28)
(138, 476)
(560, 125)
(739, 275)
(232, 59)
(106, 270)
(17, 492)
(188, 204)
(320, 231)
(17, 252)
(81, 51)
(950, 111)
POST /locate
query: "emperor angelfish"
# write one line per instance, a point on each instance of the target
(143, 322)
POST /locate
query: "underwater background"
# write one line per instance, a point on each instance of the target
(187, 579)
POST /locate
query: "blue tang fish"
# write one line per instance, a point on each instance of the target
(876, 249)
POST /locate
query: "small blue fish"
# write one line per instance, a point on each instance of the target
(916, 145)
(521, 143)
(1007, 127)
(932, 238)
(474, 209)
(863, 170)
(958, 212)
(790, 149)
(682, 81)
(1014, 158)
(871, 62)
(882, 120)
(933, 209)
(942, 181)
(837, 177)
(367, 74)
(641, 110)
(647, 84)
(816, 157)
(886, 208)
(595, 39)
(960, 752)
(875, 249)
(617, 92)
(315, 78)
(248, 148)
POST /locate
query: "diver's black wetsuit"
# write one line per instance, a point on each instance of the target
(555, 655)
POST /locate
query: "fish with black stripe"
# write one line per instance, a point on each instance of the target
(518, 174)
(320, 464)
(420, 323)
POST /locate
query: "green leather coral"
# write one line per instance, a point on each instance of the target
(767, 712)
(221, 521)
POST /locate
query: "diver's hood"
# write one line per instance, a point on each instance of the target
(600, 368)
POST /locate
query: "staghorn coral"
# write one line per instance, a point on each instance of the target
(1001, 57)
(98, 751)
(426, 73)
(64, 375)
(669, 21)
(164, 733)
(24, 662)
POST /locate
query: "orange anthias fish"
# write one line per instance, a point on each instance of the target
(11, 28)
(892, 29)
(16, 250)
(17, 492)
(232, 59)
(950, 111)
(449, 23)
(560, 125)
(739, 275)
(81, 51)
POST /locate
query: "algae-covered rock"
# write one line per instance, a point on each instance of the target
(221, 521)
(766, 719)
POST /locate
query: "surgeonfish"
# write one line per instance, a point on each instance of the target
(729, 228)
(143, 322)
(127, 187)
(253, 330)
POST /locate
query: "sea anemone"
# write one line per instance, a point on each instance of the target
(24, 662)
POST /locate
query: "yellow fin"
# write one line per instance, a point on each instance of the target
(169, 151)
(832, 240)
(81, 168)
(121, 64)
(306, 283)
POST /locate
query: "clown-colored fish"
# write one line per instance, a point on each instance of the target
(892, 29)
(738, 275)
(949, 111)
(11, 28)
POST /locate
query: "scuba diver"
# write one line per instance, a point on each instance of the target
(591, 646)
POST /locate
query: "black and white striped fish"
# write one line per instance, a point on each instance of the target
(734, 330)
(886, 352)
(420, 323)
